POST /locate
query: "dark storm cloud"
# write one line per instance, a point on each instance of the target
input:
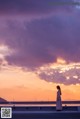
(39, 41)
(31, 6)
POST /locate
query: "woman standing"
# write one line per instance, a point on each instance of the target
(58, 100)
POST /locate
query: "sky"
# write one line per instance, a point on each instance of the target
(39, 49)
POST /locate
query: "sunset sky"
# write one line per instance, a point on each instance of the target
(39, 49)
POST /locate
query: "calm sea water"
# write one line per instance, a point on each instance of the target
(25, 105)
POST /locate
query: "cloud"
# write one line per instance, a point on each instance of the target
(37, 42)
(31, 7)
(38, 33)
(62, 74)
(42, 41)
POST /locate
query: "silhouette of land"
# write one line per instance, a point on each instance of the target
(2, 100)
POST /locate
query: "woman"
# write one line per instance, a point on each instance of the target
(58, 100)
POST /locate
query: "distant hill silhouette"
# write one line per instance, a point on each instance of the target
(3, 100)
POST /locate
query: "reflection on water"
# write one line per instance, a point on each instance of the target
(25, 105)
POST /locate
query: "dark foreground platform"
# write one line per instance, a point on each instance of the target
(47, 115)
(45, 112)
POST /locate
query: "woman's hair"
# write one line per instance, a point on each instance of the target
(58, 87)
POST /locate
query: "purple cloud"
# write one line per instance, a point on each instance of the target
(39, 41)
(32, 7)
(38, 32)
(58, 75)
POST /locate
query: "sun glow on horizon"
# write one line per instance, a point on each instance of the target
(61, 61)
(4, 50)
(23, 82)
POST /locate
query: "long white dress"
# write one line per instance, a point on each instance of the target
(58, 101)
